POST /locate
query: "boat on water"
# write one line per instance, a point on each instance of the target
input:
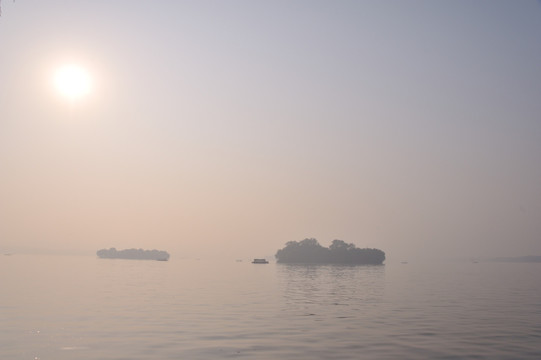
(260, 261)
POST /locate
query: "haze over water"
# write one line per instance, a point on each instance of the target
(221, 130)
(211, 129)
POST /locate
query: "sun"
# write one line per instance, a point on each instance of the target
(72, 81)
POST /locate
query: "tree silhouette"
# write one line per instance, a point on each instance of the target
(113, 253)
(339, 252)
(1, 7)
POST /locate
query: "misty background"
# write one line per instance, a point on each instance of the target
(229, 128)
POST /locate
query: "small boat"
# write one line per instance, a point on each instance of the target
(260, 261)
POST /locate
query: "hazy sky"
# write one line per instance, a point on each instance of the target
(227, 128)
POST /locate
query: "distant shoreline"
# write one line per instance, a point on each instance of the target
(520, 259)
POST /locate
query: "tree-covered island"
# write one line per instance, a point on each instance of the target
(339, 252)
(138, 254)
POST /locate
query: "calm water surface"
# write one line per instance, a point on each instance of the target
(61, 307)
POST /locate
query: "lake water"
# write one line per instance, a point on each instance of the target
(82, 307)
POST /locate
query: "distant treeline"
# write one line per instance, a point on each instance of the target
(339, 252)
(528, 258)
(113, 253)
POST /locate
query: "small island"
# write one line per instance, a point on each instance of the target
(339, 252)
(138, 254)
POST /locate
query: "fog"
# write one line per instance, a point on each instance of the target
(226, 129)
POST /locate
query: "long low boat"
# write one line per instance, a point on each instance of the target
(260, 261)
